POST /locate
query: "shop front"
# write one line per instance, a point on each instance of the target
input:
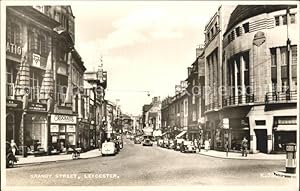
(13, 118)
(36, 128)
(84, 134)
(62, 132)
(238, 129)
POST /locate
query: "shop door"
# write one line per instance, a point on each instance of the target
(261, 140)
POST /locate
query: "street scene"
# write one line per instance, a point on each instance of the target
(150, 94)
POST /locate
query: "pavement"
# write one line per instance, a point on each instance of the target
(237, 155)
(54, 158)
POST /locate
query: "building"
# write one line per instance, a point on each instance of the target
(213, 56)
(260, 78)
(44, 78)
(165, 115)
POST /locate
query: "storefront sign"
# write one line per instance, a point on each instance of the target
(36, 60)
(63, 119)
(13, 103)
(37, 106)
(70, 128)
(54, 128)
(13, 48)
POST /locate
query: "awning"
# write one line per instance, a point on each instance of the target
(164, 133)
(181, 134)
(286, 128)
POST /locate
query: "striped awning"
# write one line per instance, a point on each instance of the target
(181, 134)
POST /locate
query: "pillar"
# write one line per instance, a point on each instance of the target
(269, 124)
(278, 61)
(253, 140)
(236, 83)
(242, 73)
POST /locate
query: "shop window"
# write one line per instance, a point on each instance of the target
(246, 27)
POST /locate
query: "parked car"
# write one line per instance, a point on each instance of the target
(188, 146)
(166, 143)
(147, 142)
(137, 140)
(177, 144)
(171, 144)
(108, 148)
(160, 142)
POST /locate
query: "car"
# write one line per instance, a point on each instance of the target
(160, 142)
(137, 140)
(166, 143)
(177, 144)
(171, 144)
(147, 142)
(108, 148)
(189, 147)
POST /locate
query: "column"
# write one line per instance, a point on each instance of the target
(236, 83)
(242, 73)
(253, 139)
(269, 124)
(278, 61)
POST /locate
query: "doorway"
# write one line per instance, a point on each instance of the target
(261, 140)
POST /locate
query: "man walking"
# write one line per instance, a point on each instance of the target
(244, 147)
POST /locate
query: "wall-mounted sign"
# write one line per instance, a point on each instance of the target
(37, 106)
(53, 128)
(13, 49)
(13, 103)
(36, 60)
(71, 128)
(63, 119)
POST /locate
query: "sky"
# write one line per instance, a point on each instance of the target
(145, 46)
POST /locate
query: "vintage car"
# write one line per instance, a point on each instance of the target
(147, 142)
(166, 143)
(188, 147)
(160, 142)
(108, 148)
(171, 144)
(137, 140)
(177, 144)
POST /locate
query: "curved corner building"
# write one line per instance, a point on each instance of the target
(259, 79)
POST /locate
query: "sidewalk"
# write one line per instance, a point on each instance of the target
(234, 155)
(53, 158)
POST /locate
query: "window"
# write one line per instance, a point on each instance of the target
(15, 33)
(41, 45)
(273, 57)
(237, 31)
(284, 19)
(212, 31)
(260, 122)
(228, 38)
(283, 56)
(293, 18)
(193, 99)
(232, 35)
(246, 27)
(194, 116)
(35, 83)
(294, 55)
(9, 80)
(277, 23)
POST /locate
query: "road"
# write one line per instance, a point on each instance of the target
(136, 165)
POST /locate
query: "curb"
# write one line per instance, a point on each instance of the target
(284, 174)
(246, 158)
(44, 162)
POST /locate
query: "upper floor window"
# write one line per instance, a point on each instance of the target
(273, 57)
(232, 35)
(212, 31)
(237, 31)
(41, 45)
(293, 18)
(284, 19)
(14, 34)
(277, 22)
(246, 27)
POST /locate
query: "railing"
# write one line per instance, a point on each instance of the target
(236, 100)
(281, 97)
(10, 89)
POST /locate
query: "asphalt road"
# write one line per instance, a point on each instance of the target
(136, 165)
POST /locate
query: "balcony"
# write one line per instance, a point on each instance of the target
(281, 97)
(238, 100)
(212, 106)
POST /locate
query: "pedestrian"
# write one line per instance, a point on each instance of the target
(206, 145)
(196, 144)
(13, 146)
(244, 147)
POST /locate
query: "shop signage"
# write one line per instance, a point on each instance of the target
(63, 119)
(37, 106)
(71, 128)
(13, 103)
(53, 128)
(13, 48)
(36, 60)
(225, 123)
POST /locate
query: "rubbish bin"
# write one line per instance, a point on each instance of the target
(290, 164)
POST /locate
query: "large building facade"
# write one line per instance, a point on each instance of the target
(251, 78)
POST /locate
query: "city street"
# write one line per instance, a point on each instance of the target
(136, 165)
